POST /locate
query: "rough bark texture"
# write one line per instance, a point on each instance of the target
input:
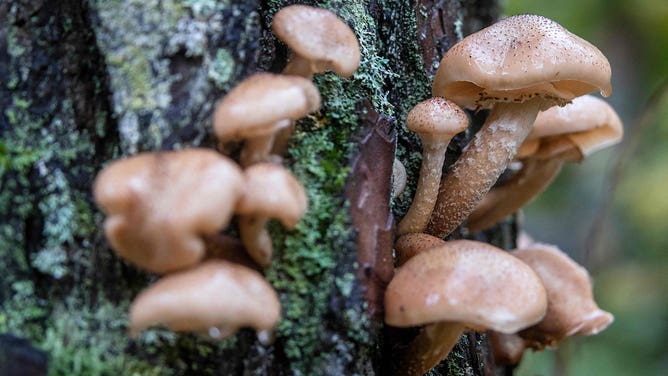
(85, 82)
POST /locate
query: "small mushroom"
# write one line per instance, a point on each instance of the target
(319, 41)
(215, 298)
(270, 192)
(399, 178)
(518, 66)
(436, 121)
(571, 309)
(258, 107)
(568, 133)
(460, 284)
(409, 245)
(159, 206)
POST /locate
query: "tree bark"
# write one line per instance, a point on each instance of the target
(86, 82)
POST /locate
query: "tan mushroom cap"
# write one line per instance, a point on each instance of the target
(160, 205)
(437, 117)
(518, 58)
(571, 306)
(318, 35)
(272, 191)
(468, 282)
(409, 245)
(262, 104)
(590, 123)
(215, 298)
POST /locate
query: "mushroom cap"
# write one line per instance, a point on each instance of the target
(263, 103)
(437, 118)
(215, 297)
(571, 309)
(318, 35)
(518, 58)
(409, 245)
(272, 191)
(590, 123)
(468, 282)
(159, 205)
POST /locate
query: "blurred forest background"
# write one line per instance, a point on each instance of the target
(610, 212)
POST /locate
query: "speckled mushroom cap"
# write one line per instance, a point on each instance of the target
(436, 117)
(215, 298)
(588, 122)
(571, 309)
(272, 191)
(159, 205)
(409, 245)
(262, 104)
(518, 58)
(318, 35)
(468, 282)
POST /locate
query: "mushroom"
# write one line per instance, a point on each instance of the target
(571, 309)
(159, 206)
(507, 349)
(518, 66)
(215, 298)
(270, 191)
(409, 245)
(399, 178)
(258, 107)
(460, 284)
(436, 121)
(318, 39)
(568, 133)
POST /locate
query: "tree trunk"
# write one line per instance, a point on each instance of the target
(86, 82)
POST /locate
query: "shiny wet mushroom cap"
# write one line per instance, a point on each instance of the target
(159, 206)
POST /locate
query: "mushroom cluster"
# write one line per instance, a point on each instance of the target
(167, 211)
(571, 309)
(534, 76)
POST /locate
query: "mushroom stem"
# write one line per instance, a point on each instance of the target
(417, 217)
(257, 149)
(298, 66)
(256, 238)
(478, 168)
(506, 199)
(432, 345)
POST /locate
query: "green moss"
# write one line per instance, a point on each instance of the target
(303, 270)
(74, 349)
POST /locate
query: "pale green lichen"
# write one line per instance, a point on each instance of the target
(221, 68)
